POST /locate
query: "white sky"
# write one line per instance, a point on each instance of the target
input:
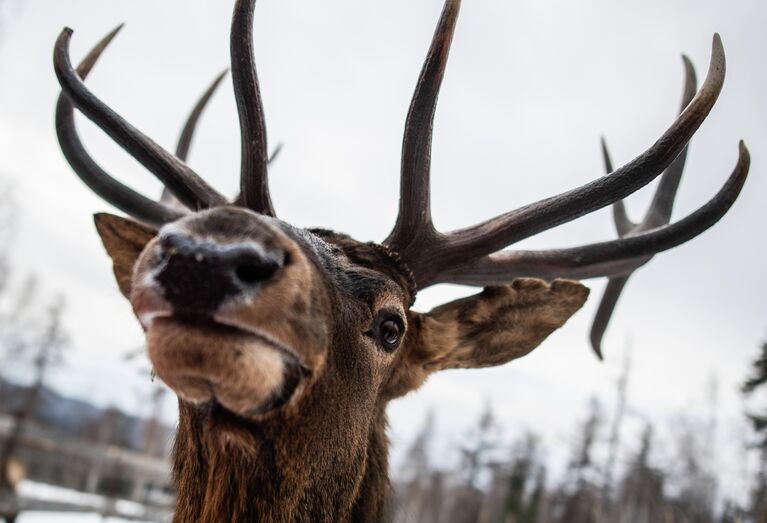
(530, 87)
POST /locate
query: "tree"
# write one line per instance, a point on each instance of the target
(16, 322)
(692, 474)
(13, 306)
(641, 498)
(524, 476)
(581, 497)
(758, 381)
(49, 347)
(8, 222)
(477, 449)
(417, 500)
(755, 383)
(621, 390)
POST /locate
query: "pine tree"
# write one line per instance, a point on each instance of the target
(757, 382)
(521, 476)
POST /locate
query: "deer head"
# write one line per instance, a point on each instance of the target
(284, 345)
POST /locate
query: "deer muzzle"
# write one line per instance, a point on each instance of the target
(225, 298)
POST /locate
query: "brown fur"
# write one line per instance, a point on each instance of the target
(323, 455)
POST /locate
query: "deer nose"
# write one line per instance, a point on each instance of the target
(199, 275)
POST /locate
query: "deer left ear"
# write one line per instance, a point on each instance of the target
(500, 324)
(124, 240)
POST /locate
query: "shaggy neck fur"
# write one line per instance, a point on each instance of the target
(283, 472)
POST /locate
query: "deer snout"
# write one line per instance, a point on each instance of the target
(198, 275)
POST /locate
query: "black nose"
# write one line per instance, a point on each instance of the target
(198, 275)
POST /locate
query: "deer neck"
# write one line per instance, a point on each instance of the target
(302, 472)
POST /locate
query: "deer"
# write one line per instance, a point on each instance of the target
(285, 345)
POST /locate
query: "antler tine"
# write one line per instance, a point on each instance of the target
(276, 152)
(119, 195)
(185, 140)
(605, 310)
(254, 182)
(185, 184)
(272, 157)
(657, 215)
(493, 235)
(187, 133)
(622, 222)
(624, 226)
(663, 200)
(611, 258)
(414, 218)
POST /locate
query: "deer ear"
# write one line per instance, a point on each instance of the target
(123, 240)
(500, 324)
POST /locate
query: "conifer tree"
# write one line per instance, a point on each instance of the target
(756, 385)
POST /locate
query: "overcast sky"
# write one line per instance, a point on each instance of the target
(530, 87)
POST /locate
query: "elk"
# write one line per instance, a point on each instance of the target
(285, 345)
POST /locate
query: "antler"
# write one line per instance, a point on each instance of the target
(178, 178)
(184, 183)
(255, 158)
(95, 177)
(187, 133)
(471, 255)
(658, 215)
(414, 219)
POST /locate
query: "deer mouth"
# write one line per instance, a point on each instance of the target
(245, 372)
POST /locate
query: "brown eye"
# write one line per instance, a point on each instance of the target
(390, 332)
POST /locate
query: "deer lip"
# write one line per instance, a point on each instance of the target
(153, 308)
(149, 305)
(264, 337)
(243, 371)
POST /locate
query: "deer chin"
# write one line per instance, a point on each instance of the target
(205, 362)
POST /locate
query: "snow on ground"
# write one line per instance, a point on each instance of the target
(42, 491)
(64, 517)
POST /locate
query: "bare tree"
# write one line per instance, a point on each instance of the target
(17, 325)
(17, 317)
(691, 474)
(417, 499)
(8, 224)
(477, 449)
(641, 498)
(621, 390)
(581, 497)
(49, 351)
(17, 302)
(538, 506)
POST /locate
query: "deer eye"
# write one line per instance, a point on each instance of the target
(390, 333)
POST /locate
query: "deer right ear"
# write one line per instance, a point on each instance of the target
(124, 240)
(500, 324)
